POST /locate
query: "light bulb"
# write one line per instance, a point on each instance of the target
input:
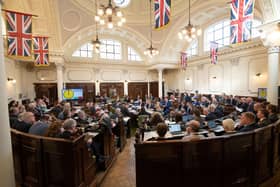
(119, 13)
(109, 11)
(96, 18)
(100, 12)
(123, 20)
(110, 25)
(102, 22)
(120, 23)
(184, 31)
(193, 29)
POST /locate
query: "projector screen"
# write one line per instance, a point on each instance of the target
(72, 94)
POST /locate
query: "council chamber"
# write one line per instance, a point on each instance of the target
(140, 93)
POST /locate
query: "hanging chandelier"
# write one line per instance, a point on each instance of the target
(189, 32)
(151, 51)
(96, 43)
(109, 15)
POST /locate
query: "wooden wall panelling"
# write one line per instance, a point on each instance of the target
(47, 89)
(137, 88)
(154, 89)
(112, 89)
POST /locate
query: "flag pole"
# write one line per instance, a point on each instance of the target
(5, 10)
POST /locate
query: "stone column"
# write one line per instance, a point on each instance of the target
(125, 87)
(160, 83)
(59, 70)
(273, 75)
(6, 156)
(271, 39)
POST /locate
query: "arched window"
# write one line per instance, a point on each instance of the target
(110, 49)
(85, 51)
(192, 49)
(220, 33)
(133, 55)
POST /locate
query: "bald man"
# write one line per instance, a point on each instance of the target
(193, 131)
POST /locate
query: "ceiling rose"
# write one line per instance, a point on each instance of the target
(121, 3)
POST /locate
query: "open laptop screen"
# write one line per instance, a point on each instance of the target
(174, 128)
(187, 118)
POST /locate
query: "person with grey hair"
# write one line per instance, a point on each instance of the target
(70, 130)
(247, 122)
(193, 131)
(27, 120)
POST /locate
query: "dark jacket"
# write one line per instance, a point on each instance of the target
(22, 126)
(247, 128)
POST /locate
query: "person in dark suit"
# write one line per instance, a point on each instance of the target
(26, 122)
(272, 113)
(262, 115)
(247, 122)
(70, 130)
(250, 102)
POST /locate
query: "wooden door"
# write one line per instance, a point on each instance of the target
(88, 90)
(46, 89)
(154, 89)
(112, 90)
(137, 88)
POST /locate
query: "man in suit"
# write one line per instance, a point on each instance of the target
(247, 122)
(26, 122)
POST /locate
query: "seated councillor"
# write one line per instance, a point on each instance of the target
(193, 131)
(55, 129)
(162, 129)
(228, 125)
(247, 122)
(155, 119)
(272, 113)
(262, 116)
(70, 130)
(82, 119)
(40, 127)
(25, 121)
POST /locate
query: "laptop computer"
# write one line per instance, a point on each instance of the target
(187, 118)
(175, 129)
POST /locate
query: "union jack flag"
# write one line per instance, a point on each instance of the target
(19, 34)
(241, 20)
(213, 52)
(41, 51)
(162, 13)
(184, 58)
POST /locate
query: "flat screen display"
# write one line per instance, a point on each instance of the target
(72, 94)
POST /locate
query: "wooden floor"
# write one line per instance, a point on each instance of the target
(122, 173)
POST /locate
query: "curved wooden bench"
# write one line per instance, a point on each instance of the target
(43, 161)
(246, 159)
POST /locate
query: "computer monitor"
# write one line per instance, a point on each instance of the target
(72, 94)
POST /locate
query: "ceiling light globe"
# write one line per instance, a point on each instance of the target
(193, 29)
(109, 11)
(184, 31)
(119, 13)
(100, 12)
(96, 18)
(102, 22)
(110, 25)
(123, 20)
(120, 23)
